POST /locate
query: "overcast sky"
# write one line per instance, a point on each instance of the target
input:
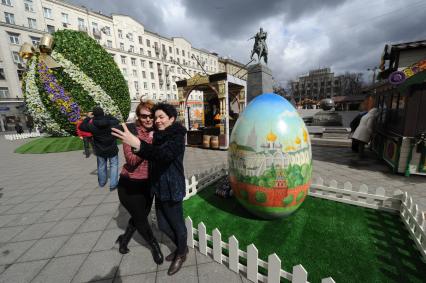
(302, 35)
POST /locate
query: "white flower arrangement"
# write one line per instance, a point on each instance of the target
(95, 91)
(36, 107)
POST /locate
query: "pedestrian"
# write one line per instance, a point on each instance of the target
(354, 124)
(104, 145)
(364, 131)
(134, 190)
(166, 172)
(86, 137)
(30, 124)
(18, 128)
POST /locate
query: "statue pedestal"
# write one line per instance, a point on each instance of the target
(259, 80)
(327, 118)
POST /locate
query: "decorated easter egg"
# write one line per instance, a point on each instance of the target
(67, 75)
(270, 158)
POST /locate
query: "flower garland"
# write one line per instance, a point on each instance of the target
(57, 95)
(36, 107)
(95, 91)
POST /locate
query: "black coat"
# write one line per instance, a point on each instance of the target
(104, 144)
(165, 156)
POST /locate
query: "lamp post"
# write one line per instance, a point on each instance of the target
(374, 73)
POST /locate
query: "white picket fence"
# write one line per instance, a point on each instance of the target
(212, 245)
(13, 137)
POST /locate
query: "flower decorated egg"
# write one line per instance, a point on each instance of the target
(67, 75)
(270, 159)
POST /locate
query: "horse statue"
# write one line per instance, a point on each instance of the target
(260, 48)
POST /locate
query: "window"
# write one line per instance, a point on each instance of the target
(177, 51)
(136, 85)
(154, 96)
(124, 71)
(133, 61)
(143, 74)
(50, 29)
(135, 73)
(152, 75)
(174, 88)
(145, 85)
(183, 52)
(81, 23)
(178, 70)
(132, 49)
(6, 2)
(2, 76)
(64, 18)
(4, 92)
(149, 53)
(29, 5)
(140, 39)
(10, 18)
(122, 46)
(148, 43)
(13, 38)
(130, 36)
(107, 30)
(123, 59)
(153, 86)
(151, 65)
(16, 57)
(109, 43)
(141, 51)
(32, 23)
(143, 63)
(47, 13)
(120, 33)
(170, 49)
(35, 40)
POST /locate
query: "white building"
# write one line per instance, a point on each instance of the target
(150, 63)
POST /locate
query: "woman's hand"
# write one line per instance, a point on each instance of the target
(127, 137)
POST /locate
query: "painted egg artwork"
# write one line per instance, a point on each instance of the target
(270, 158)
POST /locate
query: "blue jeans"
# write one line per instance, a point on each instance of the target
(103, 171)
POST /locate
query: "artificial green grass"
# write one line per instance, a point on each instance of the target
(51, 145)
(346, 242)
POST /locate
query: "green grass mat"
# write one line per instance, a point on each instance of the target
(51, 145)
(348, 243)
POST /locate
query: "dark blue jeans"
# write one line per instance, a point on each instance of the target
(170, 221)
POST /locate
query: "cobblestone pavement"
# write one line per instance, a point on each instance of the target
(56, 225)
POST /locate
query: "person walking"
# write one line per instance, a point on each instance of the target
(364, 131)
(85, 136)
(18, 128)
(30, 124)
(104, 145)
(134, 190)
(166, 172)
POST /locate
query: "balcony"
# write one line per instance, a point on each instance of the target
(97, 33)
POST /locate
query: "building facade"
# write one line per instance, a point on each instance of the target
(233, 67)
(316, 85)
(150, 63)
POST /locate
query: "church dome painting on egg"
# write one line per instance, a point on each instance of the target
(270, 159)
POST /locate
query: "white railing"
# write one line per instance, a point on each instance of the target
(13, 137)
(212, 245)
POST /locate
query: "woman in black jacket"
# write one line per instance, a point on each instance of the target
(165, 156)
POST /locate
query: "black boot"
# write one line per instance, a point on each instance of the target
(157, 255)
(124, 239)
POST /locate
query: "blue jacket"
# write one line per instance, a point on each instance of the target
(165, 156)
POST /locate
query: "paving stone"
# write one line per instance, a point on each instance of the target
(34, 231)
(11, 251)
(107, 240)
(22, 208)
(8, 233)
(65, 227)
(79, 243)
(95, 223)
(44, 249)
(111, 197)
(26, 218)
(81, 212)
(91, 270)
(69, 202)
(106, 209)
(210, 272)
(5, 219)
(186, 274)
(45, 205)
(145, 278)
(139, 260)
(92, 200)
(5, 208)
(54, 215)
(22, 272)
(61, 269)
(202, 258)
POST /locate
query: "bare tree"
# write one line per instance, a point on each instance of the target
(351, 83)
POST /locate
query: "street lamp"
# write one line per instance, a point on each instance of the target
(374, 73)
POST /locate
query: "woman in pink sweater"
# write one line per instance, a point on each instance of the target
(134, 190)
